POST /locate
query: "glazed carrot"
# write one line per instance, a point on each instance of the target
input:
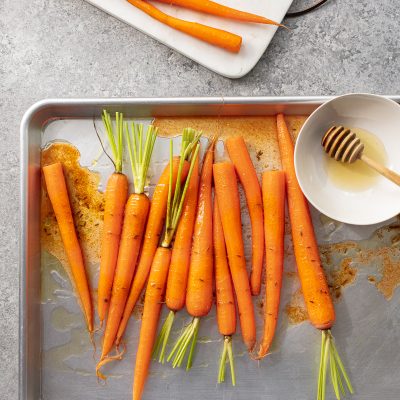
(180, 260)
(247, 174)
(273, 189)
(58, 194)
(226, 189)
(114, 204)
(151, 315)
(217, 37)
(210, 7)
(199, 294)
(161, 262)
(152, 235)
(225, 299)
(135, 217)
(312, 278)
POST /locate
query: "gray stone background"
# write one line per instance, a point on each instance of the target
(67, 48)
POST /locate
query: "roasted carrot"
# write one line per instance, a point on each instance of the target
(152, 235)
(180, 261)
(312, 278)
(213, 8)
(226, 189)
(217, 37)
(58, 194)
(247, 174)
(114, 204)
(225, 299)
(160, 265)
(135, 217)
(273, 189)
(199, 294)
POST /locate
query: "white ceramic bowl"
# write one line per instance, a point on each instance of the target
(373, 113)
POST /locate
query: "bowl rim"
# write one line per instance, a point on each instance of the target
(297, 152)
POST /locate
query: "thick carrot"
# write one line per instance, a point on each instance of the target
(273, 189)
(114, 205)
(217, 37)
(161, 262)
(151, 315)
(225, 299)
(152, 235)
(135, 217)
(313, 282)
(213, 8)
(180, 261)
(229, 205)
(58, 194)
(199, 294)
(247, 174)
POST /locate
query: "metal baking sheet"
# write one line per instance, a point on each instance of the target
(55, 354)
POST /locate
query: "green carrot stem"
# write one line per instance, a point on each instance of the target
(163, 337)
(227, 353)
(115, 138)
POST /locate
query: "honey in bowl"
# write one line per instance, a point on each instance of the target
(357, 176)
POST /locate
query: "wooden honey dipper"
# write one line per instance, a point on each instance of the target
(343, 145)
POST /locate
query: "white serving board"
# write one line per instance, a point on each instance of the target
(256, 38)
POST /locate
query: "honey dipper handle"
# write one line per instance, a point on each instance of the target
(386, 172)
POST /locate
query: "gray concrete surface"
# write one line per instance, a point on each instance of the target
(67, 48)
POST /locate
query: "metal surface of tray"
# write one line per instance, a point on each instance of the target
(367, 331)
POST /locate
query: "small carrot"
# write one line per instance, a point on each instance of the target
(160, 265)
(273, 189)
(213, 8)
(313, 282)
(180, 261)
(217, 37)
(135, 218)
(225, 299)
(247, 174)
(58, 194)
(199, 295)
(226, 189)
(114, 204)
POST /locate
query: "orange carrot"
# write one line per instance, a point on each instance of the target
(160, 264)
(210, 7)
(273, 189)
(151, 315)
(58, 194)
(313, 282)
(114, 204)
(247, 174)
(152, 235)
(226, 310)
(135, 217)
(226, 189)
(217, 37)
(312, 278)
(199, 295)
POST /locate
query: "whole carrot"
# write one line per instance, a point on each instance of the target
(114, 204)
(313, 282)
(273, 189)
(151, 239)
(160, 265)
(226, 189)
(217, 37)
(135, 218)
(180, 261)
(225, 299)
(58, 194)
(213, 8)
(199, 294)
(247, 174)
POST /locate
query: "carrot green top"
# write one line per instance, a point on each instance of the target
(115, 138)
(140, 149)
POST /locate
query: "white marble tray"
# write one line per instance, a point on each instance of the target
(256, 38)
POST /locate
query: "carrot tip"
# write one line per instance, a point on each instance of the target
(107, 359)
